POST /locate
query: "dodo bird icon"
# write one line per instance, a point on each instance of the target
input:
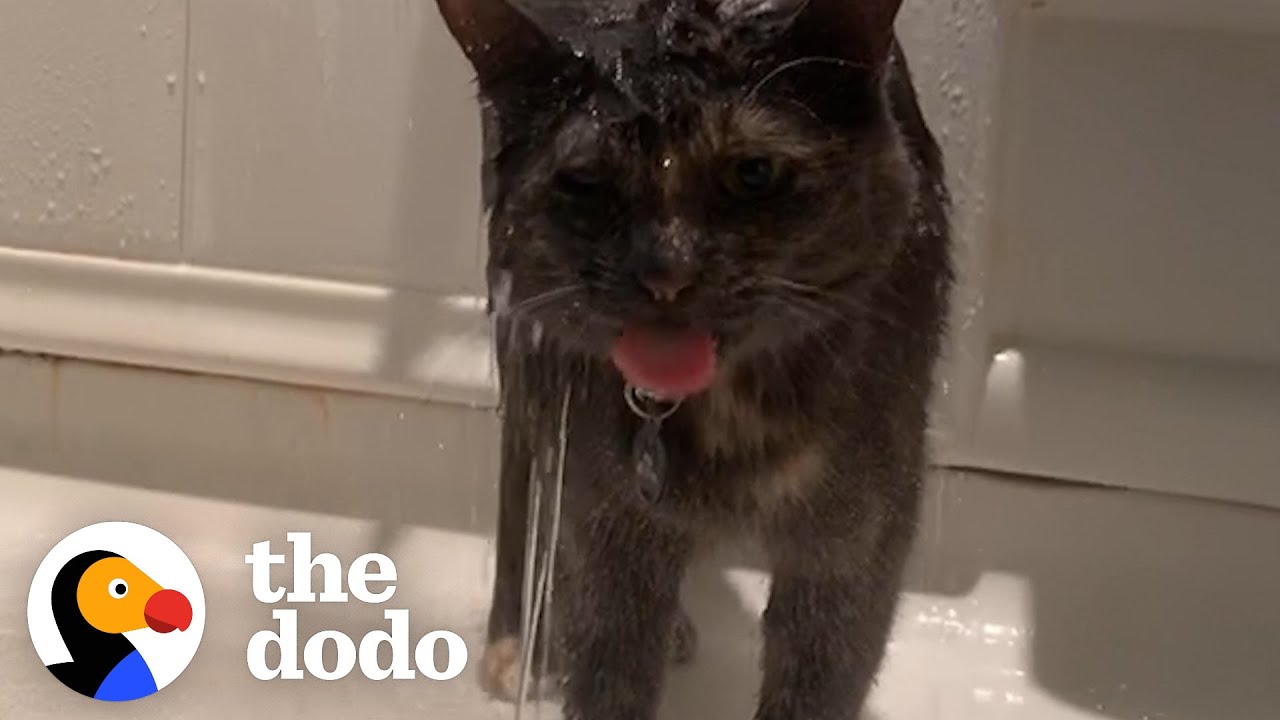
(97, 597)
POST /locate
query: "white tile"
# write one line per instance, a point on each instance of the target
(1156, 423)
(1120, 156)
(394, 460)
(1138, 180)
(91, 104)
(333, 139)
(955, 51)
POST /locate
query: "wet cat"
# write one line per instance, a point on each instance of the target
(719, 244)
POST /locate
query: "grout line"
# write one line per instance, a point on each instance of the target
(1032, 479)
(427, 398)
(184, 192)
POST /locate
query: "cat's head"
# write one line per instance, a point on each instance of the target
(720, 167)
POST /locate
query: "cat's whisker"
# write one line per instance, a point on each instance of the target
(823, 333)
(815, 326)
(540, 300)
(813, 307)
(816, 118)
(850, 303)
(800, 62)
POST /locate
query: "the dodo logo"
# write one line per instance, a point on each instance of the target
(116, 611)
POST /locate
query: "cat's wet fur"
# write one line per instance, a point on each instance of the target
(773, 152)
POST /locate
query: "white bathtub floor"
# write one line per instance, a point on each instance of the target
(1026, 600)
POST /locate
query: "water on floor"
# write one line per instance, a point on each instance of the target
(1025, 600)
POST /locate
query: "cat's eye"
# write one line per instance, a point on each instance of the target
(753, 178)
(579, 182)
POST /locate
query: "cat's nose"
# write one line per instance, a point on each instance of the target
(666, 286)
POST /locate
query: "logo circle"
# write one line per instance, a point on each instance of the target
(116, 611)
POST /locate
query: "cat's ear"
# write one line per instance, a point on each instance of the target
(860, 31)
(497, 38)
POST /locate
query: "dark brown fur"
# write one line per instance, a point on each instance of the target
(827, 300)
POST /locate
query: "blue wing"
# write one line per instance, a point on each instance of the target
(130, 679)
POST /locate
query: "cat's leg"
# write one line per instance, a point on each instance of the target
(500, 667)
(620, 619)
(828, 619)
(684, 639)
(501, 662)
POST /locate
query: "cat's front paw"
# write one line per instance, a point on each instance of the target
(684, 639)
(500, 673)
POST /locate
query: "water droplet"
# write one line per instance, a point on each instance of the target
(502, 293)
(142, 30)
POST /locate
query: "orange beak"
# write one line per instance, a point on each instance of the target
(168, 610)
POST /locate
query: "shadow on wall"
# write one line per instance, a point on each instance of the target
(1141, 607)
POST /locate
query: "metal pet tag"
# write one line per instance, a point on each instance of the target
(650, 458)
(648, 452)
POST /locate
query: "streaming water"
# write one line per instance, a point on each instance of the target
(546, 483)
